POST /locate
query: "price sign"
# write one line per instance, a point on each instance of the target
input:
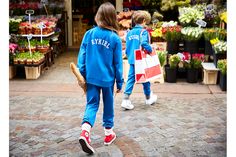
(41, 26)
(29, 36)
(201, 23)
(29, 12)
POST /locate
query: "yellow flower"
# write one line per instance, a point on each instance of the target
(157, 33)
(223, 16)
(214, 41)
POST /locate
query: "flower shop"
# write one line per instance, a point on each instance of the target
(36, 36)
(190, 38)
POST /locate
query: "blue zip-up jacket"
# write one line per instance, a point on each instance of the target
(133, 42)
(100, 58)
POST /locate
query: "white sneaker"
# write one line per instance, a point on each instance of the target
(152, 99)
(127, 104)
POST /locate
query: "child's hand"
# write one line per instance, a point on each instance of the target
(118, 91)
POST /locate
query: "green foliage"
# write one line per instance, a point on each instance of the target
(162, 57)
(222, 65)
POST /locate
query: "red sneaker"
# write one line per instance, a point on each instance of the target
(85, 141)
(109, 139)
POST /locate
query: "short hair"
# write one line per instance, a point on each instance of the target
(140, 15)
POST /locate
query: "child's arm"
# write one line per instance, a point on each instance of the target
(145, 41)
(82, 57)
(118, 63)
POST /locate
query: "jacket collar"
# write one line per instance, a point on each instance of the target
(138, 26)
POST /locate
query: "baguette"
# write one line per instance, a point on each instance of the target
(80, 78)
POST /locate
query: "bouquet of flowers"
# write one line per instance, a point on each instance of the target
(171, 31)
(189, 15)
(162, 57)
(12, 51)
(174, 60)
(223, 16)
(157, 34)
(14, 25)
(192, 63)
(220, 46)
(212, 33)
(192, 33)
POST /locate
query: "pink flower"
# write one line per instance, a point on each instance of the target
(12, 47)
(187, 56)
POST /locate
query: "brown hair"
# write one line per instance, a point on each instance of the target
(140, 15)
(106, 17)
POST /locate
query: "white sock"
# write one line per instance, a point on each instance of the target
(86, 127)
(108, 131)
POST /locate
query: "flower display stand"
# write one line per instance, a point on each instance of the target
(210, 73)
(12, 71)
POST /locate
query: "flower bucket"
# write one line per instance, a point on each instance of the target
(191, 46)
(208, 48)
(192, 75)
(223, 82)
(172, 47)
(217, 56)
(171, 74)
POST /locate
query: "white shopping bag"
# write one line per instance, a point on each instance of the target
(147, 66)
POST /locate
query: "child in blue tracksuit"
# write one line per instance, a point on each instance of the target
(136, 37)
(100, 62)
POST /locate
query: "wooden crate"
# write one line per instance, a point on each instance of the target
(12, 72)
(32, 72)
(210, 73)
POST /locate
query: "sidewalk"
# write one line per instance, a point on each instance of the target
(45, 115)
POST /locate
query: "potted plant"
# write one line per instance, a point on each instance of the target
(43, 46)
(193, 65)
(171, 68)
(222, 66)
(219, 50)
(172, 34)
(191, 36)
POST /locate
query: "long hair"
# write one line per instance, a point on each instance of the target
(106, 17)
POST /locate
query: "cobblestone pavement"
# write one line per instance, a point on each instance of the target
(45, 115)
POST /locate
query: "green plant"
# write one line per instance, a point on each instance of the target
(222, 65)
(162, 57)
(174, 60)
